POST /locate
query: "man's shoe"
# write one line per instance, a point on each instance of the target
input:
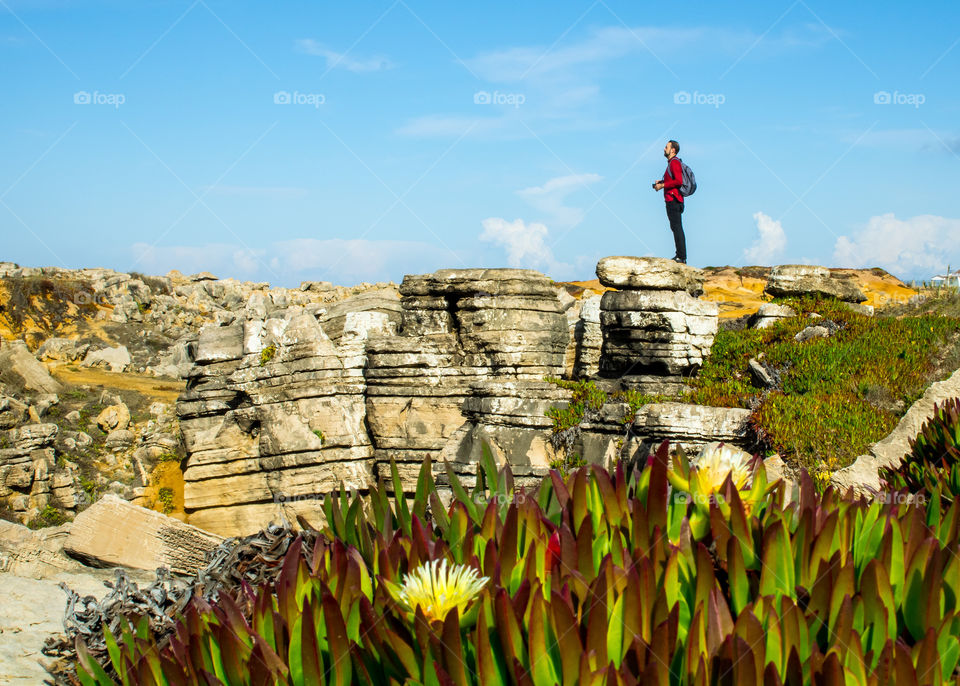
(677, 259)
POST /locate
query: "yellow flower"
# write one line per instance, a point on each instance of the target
(716, 461)
(438, 589)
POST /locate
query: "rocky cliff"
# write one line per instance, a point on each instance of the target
(277, 412)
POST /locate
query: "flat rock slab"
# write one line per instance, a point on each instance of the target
(22, 370)
(797, 280)
(692, 423)
(649, 273)
(113, 532)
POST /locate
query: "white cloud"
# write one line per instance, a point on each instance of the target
(910, 248)
(770, 243)
(342, 59)
(526, 244)
(613, 42)
(549, 198)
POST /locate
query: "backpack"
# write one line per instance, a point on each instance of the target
(689, 186)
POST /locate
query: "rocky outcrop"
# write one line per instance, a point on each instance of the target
(797, 280)
(649, 274)
(30, 478)
(113, 532)
(654, 336)
(285, 405)
(476, 334)
(21, 369)
(273, 416)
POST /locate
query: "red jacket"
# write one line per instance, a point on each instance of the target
(671, 184)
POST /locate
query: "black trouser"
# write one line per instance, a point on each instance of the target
(674, 210)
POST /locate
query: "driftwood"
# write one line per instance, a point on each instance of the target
(254, 559)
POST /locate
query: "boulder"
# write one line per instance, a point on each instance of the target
(113, 532)
(796, 280)
(811, 332)
(20, 369)
(62, 349)
(117, 359)
(114, 417)
(649, 273)
(769, 314)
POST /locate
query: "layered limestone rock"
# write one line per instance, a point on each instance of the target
(474, 334)
(790, 280)
(653, 335)
(273, 417)
(30, 478)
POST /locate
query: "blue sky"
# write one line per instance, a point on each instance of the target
(362, 141)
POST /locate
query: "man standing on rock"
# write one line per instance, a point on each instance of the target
(670, 185)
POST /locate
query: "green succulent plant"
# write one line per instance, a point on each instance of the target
(596, 578)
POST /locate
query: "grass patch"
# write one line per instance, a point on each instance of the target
(838, 394)
(49, 516)
(165, 496)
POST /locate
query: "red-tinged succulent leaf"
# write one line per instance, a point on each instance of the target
(611, 503)
(904, 673)
(568, 637)
(794, 669)
(491, 665)
(658, 491)
(915, 593)
(706, 579)
(542, 667)
(452, 650)
(719, 621)
(737, 577)
(508, 628)
(596, 640)
(928, 667)
(336, 631)
(777, 573)
(832, 671)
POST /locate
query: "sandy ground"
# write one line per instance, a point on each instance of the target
(151, 386)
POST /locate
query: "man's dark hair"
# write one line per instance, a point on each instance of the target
(676, 146)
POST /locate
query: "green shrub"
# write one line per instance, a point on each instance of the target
(267, 354)
(647, 576)
(165, 496)
(319, 434)
(49, 516)
(168, 457)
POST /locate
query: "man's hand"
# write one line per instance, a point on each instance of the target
(658, 186)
